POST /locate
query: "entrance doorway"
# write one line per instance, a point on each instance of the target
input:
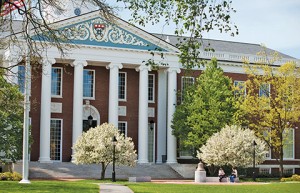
(151, 142)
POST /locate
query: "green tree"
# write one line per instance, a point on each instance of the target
(11, 120)
(272, 105)
(207, 106)
(95, 147)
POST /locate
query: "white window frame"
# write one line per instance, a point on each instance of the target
(93, 93)
(287, 173)
(153, 88)
(269, 86)
(125, 86)
(261, 170)
(125, 122)
(61, 82)
(236, 83)
(182, 84)
(21, 73)
(61, 138)
(293, 149)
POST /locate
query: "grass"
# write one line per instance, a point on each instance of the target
(230, 188)
(91, 186)
(46, 186)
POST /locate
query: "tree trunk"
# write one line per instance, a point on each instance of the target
(281, 162)
(103, 168)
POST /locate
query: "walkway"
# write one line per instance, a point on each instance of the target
(114, 188)
(117, 188)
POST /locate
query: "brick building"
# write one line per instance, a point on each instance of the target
(105, 77)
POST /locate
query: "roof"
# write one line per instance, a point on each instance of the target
(224, 46)
(217, 45)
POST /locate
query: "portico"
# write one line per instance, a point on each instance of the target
(106, 69)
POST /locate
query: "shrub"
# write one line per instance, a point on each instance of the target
(294, 177)
(10, 176)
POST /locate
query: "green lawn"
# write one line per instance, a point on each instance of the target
(228, 188)
(91, 186)
(84, 186)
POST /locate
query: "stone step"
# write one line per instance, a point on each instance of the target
(57, 170)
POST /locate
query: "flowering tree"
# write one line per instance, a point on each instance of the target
(95, 146)
(271, 107)
(232, 146)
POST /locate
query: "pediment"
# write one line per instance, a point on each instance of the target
(93, 30)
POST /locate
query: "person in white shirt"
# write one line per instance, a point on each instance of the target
(221, 174)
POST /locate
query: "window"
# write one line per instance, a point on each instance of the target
(288, 144)
(55, 139)
(264, 171)
(240, 88)
(151, 82)
(122, 126)
(264, 90)
(56, 81)
(288, 171)
(21, 78)
(88, 83)
(186, 81)
(122, 86)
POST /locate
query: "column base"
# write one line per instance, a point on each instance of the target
(143, 161)
(45, 160)
(172, 162)
(24, 181)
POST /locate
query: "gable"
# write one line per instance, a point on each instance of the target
(100, 32)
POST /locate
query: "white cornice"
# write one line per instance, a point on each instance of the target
(120, 23)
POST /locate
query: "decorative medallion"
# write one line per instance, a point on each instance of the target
(77, 11)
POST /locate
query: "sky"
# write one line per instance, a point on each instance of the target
(273, 23)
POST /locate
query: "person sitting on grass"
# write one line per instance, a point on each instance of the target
(221, 174)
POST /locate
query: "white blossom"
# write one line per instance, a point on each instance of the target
(233, 146)
(95, 147)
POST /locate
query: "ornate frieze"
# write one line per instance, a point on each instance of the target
(99, 31)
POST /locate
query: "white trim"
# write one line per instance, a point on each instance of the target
(152, 101)
(61, 82)
(277, 166)
(182, 84)
(259, 170)
(125, 89)
(125, 127)
(94, 77)
(240, 81)
(268, 91)
(61, 138)
(293, 130)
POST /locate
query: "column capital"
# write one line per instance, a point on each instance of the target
(173, 69)
(49, 61)
(79, 63)
(142, 68)
(10, 56)
(114, 65)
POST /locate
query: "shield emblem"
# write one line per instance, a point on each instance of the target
(99, 30)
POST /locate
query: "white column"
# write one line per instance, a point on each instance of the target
(161, 115)
(113, 92)
(171, 139)
(143, 114)
(45, 111)
(77, 99)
